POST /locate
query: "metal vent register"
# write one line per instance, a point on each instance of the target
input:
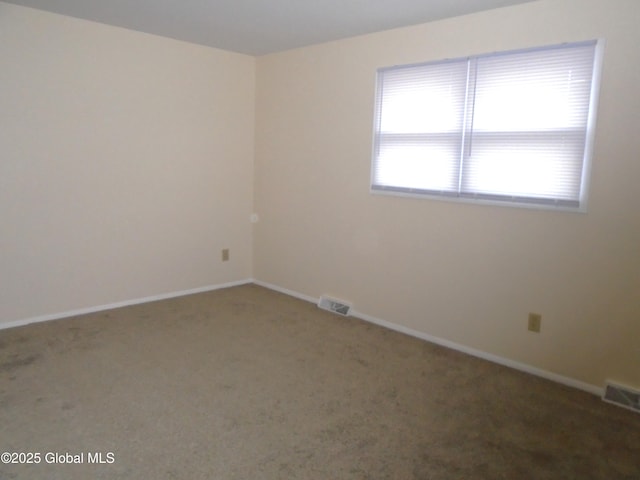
(622, 396)
(335, 306)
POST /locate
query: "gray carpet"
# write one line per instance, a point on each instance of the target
(245, 383)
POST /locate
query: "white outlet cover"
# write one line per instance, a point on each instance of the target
(254, 218)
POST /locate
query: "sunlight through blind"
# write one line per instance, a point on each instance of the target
(512, 126)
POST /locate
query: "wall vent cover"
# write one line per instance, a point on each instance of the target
(622, 396)
(334, 305)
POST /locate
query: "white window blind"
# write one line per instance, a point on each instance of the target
(512, 126)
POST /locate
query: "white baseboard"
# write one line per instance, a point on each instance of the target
(523, 367)
(286, 291)
(570, 382)
(125, 303)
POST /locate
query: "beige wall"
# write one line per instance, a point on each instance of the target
(465, 273)
(126, 164)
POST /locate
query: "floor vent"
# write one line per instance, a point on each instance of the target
(622, 396)
(335, 306)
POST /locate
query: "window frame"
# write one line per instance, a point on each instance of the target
(488, 198)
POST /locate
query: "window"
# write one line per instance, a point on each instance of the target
(512, 127)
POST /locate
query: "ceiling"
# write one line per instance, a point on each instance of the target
(258, 27)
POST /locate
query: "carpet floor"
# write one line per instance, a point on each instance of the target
(246, 383)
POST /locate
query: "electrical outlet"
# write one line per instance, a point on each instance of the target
(225, 254)
(535, 322)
